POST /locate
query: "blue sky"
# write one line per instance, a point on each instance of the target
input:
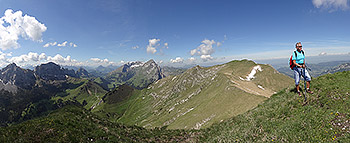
(95, 32)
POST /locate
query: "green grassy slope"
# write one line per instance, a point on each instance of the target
(285, 117)
(202, 96)
(75, 124)
(116, 102)
(87, 92)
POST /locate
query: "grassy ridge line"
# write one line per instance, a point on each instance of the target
(88, 92)
(285, 118)
(200, 96)
(75, 124)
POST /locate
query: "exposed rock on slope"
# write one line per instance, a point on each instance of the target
(201, 96)
(13, 77)
(136, 74)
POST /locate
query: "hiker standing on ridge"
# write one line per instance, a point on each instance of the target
(299, 66)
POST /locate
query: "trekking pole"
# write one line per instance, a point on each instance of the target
(305, 98)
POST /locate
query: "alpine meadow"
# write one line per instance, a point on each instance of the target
(174, 71)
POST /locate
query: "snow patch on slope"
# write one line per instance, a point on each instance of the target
(252, 73)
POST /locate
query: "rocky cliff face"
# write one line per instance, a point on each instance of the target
(136, 74)
(52, 71)
(13, 76)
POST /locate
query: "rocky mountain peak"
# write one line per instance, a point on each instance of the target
(81, 72)
(14, 75)
(52, 71)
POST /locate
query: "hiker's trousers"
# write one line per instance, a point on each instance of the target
(298, 72)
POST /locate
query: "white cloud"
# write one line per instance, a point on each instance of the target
(30, 57)
(60, 59)
(331, 4)
(14, 25)
(205, 50)
(166, 45)
(152, 44)
(135, 47)
(206, 57)
(64, 44)
(50, 44)
(97, 61)
(177, 60)
(192, 59)
(72, 45)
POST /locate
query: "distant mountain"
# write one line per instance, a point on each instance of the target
(135, 74)
(25, 94)
(172, 71)
(13, 77)
(201, 96)
(340, 68)
(316, 69)
(101, 71)
(82, 73)
(52, 71)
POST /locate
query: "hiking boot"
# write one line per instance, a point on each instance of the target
(299, 93)
(309, 91)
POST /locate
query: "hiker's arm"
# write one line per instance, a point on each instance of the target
(304, 64)
(295, 63)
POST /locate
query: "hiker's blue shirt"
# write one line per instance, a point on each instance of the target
(300, 57)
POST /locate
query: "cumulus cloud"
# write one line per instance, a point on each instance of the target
(152, 44)
(192, 59)
(61, 60)
(33, 59)
(97, 60)
(103, 61)
(14, 25)
(206, 57)
(30, 57)
(331, 4)
(177, 60)
(205, 50)
(166, 45)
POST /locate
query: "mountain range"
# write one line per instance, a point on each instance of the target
(136, 74)
(196, 98)
(282, 117)
(319, 69)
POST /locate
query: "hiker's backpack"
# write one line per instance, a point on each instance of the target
(291, 65)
